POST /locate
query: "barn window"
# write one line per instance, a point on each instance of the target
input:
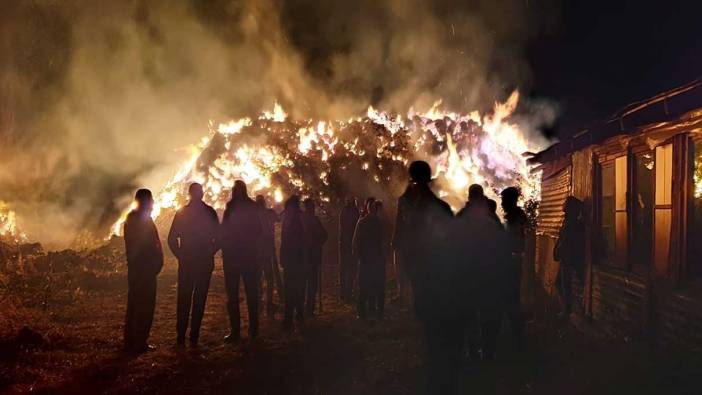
(614, 211)
(663, 207)
(695, 239)
(642, 209)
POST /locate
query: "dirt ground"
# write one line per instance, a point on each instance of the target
(80, 352)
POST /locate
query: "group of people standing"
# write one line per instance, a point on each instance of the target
(246, 236)
(464, 270)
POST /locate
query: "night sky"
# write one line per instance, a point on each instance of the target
(598, 56)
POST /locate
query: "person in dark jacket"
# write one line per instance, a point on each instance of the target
(480, 239)
(570, 252)
(315, 237)
(193, 240)
(475, 232)
(476, 201)
(347, 262)
(144, 263)
(370, 244)
(267, 253)
(241, 229)
(515, 228)
(423, 239)
(292, 258)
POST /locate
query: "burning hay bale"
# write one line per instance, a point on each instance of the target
(277, 156)
(8, 225)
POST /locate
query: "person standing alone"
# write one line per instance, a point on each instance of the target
(144, 263)
(193, 240)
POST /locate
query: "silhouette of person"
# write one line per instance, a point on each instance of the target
(370, 244)
(267, 253)
(144, 263)
(476, 201)
(241, 229)
(315, 237)
(570, 252)
(423, 227)
(347, 263)
(515, 226)
(193, 240)
(292, 258)
(480, 242)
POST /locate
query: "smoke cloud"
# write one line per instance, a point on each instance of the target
(98, 97)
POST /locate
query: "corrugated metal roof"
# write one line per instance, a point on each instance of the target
(664, 107)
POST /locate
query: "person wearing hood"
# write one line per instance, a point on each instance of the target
(241, 229)
(144, 263)
(193, 239)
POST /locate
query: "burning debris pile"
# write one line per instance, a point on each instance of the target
(329, 160)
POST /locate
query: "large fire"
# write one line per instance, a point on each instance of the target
(8, 224)
(277, 156)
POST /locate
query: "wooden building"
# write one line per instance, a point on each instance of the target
(639, 175)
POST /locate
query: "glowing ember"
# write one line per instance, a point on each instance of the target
(277, 115)
(277, 156)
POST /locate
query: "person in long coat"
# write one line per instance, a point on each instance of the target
(144, 263)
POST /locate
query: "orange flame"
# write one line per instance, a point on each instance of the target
(463, 149)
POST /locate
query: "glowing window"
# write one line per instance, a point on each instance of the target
(614, 211)
(663, 207)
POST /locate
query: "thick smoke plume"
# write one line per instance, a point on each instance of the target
(98, 97)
